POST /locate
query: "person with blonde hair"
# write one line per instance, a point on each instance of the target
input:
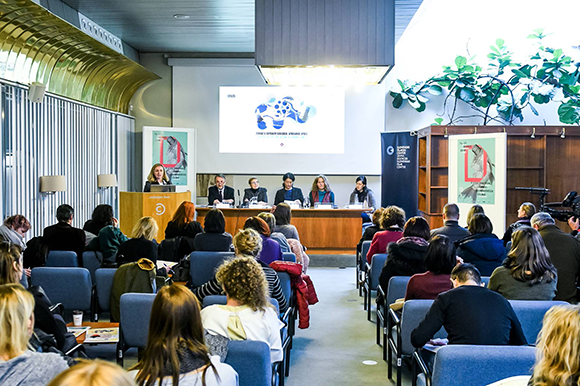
(247, 315)
(142, 243)
(247, 243)
(321, 191)
(93, 373)
(525, 213)
(157, 176)
(18, 364)
(176, 353)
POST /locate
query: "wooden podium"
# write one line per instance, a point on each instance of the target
(160, 206)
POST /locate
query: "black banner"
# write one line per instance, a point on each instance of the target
(400, 171)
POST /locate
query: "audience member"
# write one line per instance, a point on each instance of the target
(475, 209)
(471, 314)
(574, 224)
(183, 225)
(406, 256)
(62, 236)
(525, 213)
(528, 272)
(93, 373)
(18, 365)
(283, 215)
(108, 242)
(142, 243)
(370, 231)
(564, 252)
(101, 217)
(176, 353)
(247, 243)
(14, 230)
(270, 249)
(392, 221)
(439, 262)
(451, 226)
(248, 313)
(276, 236)
(482, 249)
(215, 237)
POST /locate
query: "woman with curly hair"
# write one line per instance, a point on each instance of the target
(527, 273)
(247, 243)
(392, 221)
(247, 315)
(14, 230)
(176, 353)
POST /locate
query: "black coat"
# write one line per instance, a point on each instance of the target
(63, 237)
(451, 229)
(405, 259)
(261, 193)
(134, 249)
(147, 187)
(296, 195)
(484, 250)
(213, 194)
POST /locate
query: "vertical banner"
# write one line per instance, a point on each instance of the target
(174, 148)
(477, 175)
(400, 171)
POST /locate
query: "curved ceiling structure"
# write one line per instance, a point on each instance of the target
(37, 46)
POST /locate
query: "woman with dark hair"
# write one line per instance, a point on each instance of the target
(482, 249)
(215, 238)
(283, 215)
(102, 216)
(288, 191)
(370, 231)
(525, 213)
(475, 209)
(157, 176)
(528, 272)
(392, 221)
(363, 195)
(406, 257)
(321, 191)
(270, 248)
(255, 193)
(14, 230)
(439, 262)
(176, 352)
(109, 238)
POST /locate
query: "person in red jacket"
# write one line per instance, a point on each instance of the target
(393, 221)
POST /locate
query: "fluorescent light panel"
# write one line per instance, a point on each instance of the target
(323, 75)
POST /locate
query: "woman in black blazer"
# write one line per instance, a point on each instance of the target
(255, 191)
(157, 176)
(288, 192)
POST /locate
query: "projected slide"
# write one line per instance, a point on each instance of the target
(281, 120)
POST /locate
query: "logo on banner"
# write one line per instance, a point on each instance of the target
(390, 150)
(159, 209)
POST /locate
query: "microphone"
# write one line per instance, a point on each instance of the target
(239, 200)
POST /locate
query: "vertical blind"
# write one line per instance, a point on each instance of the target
(56, 137)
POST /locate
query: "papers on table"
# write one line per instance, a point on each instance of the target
(102, 335)
(77, 331)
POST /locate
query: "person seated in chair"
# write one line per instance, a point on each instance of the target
(220, 193)
(255, 194)
(63, 236)
(451, 227)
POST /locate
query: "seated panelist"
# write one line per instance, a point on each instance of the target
(220, 192)
(255, 193)
(321, 191)
(288, 191)
(157, 176)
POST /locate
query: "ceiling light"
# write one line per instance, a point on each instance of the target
(323, 75)
(181, 16)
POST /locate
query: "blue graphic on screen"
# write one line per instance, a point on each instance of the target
(278, 110)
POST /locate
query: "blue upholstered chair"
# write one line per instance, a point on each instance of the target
(251, 360)
(204, 264)
(62, 259)
(372, 279)
(396, 290)
(134, 324)
(72, 286)
(460, 365)
(361, 265)
(91, 260)
(530, 314)
(104, 284)
(289, 256)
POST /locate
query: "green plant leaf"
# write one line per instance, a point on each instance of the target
(435, 90)
(500, 42)
(534, 110)
(460, 61)
(466, 94)
(397, 101)
(438, 121)
(401, 84)
(569, 113)
(557, 53)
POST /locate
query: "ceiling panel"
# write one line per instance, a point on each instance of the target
(213, 26)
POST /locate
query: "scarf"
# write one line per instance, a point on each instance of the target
(362, 195)
(316, 197)
(188, 361)
(413, 239)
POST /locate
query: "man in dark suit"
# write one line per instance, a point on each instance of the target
(564, 252)
(220, 193)
(451, 228)
(63, 236)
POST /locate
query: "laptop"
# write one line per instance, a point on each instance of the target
(162, 188)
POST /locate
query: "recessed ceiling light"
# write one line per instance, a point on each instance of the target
(181, 16)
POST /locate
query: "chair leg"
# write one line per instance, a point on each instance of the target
(365, 294)
(369, 304)
(378, 322)
(287, 364)
(399, 368)
(385, 343)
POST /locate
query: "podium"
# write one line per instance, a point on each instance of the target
(160, 206)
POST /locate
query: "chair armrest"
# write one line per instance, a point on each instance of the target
(286, 315)
(58, 308)
(395, 317)
(422, 366)
(73, 350)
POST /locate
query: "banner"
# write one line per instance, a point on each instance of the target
(400, 171)
(477, 175)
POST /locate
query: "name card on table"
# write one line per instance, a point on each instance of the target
(258, 206)
(323, 206)
(222, 206)
(292, 204)
(355, 206)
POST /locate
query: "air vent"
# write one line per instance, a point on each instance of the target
(96, 31)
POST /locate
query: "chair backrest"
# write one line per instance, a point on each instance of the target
(204, 264)
(104, 282)
(459, 365)
(414, 312)
(62, 259)
(92, 261)
(377, 264)
(286, 285)
(135, 315)
(366, 245)
(289, 256)
(397, 288)
(251, 360)
(70, 286)
(530, 314)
